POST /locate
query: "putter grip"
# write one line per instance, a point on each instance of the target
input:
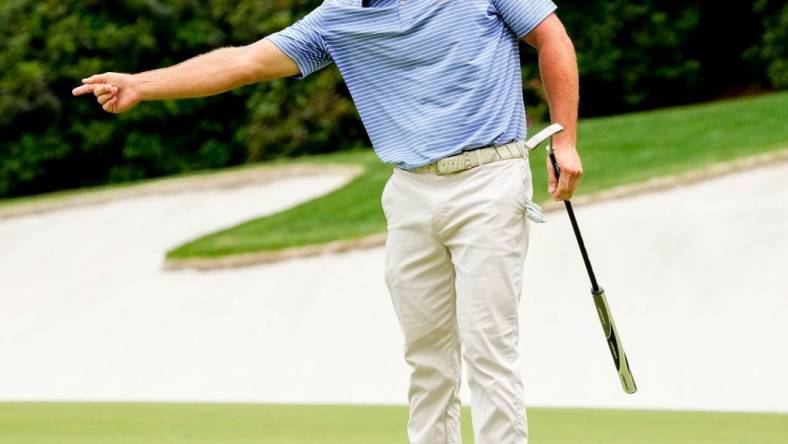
(555, 165)
(613, 342)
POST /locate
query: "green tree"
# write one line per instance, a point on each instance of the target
(772, 50)
(632, 55)
(48, 140)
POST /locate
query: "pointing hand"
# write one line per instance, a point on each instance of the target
(116, 93)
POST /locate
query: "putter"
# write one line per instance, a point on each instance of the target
(600, 301)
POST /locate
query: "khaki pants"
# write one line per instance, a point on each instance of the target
(454, 262)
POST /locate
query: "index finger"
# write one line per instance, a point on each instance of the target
(84, 89)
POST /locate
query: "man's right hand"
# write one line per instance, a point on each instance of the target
(116, 93)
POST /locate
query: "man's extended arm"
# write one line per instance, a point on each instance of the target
(208, 74)
(558, 66)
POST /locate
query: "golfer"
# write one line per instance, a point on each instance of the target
(437, 84)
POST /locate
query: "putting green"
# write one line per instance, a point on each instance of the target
(77, 423)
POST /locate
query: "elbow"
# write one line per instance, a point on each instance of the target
(249, 66)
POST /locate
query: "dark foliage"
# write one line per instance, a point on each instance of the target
(633, 55)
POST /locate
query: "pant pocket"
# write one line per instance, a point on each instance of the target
(384, 195)
(531, 210)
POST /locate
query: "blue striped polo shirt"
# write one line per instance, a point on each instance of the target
(430, 78)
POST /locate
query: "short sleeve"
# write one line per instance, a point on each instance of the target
(303, 42)
(522, 16)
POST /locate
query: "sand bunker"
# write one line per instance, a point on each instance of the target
(695, 276)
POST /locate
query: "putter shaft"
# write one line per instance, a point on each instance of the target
(600, 301)
(571, 212)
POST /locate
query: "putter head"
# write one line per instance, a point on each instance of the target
(543, 135)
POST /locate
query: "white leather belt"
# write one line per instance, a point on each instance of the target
(471, 159)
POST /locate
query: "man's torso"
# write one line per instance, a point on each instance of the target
(430, 78)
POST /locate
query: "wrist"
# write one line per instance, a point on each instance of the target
(564, 145)
(142, 87)
(564, 141)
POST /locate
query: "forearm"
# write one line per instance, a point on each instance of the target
(208, 74)
(205, 75)
(558, 66)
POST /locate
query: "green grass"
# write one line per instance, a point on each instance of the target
(616, 150)
(352, 211)
(76, 423)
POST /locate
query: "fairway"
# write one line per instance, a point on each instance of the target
(73, 423)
